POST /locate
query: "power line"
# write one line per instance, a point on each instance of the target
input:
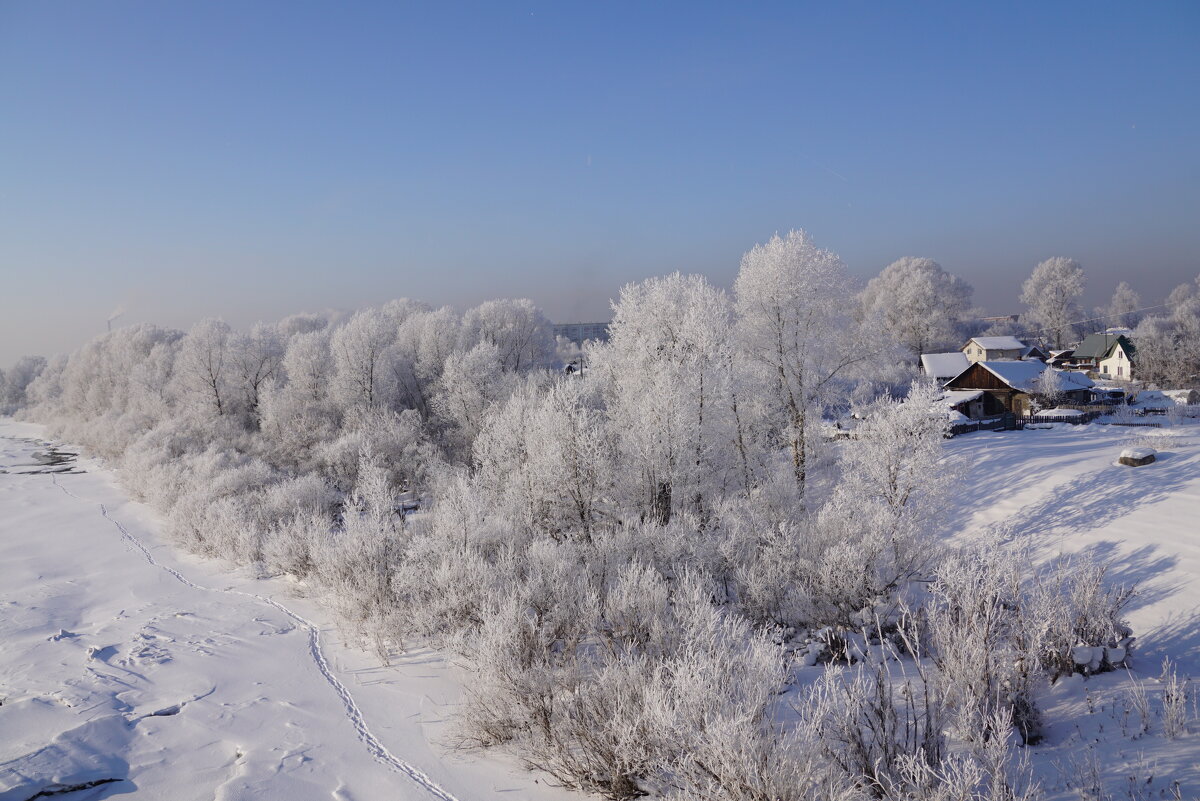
(1038, 331)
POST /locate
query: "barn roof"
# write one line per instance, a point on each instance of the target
(955, 397)
(944, 365)
(1023, 376)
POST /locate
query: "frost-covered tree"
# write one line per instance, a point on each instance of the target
(295, 324)
(917, 304)
(667, 384)
(298, 412)
(15, 381)
(521, 333)
(548, 458)
(792, 301)
(1051, 292)
(423, 344)
(1158, 356)
(1049, 386)
(205, 369)
(470, 384)
(1122, 309)
(1185, 315)
(360, 353)
(358, 563)
(257, 357)
(893, 489)
(1168, 345)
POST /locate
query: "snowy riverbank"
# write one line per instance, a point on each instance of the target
(133, 666)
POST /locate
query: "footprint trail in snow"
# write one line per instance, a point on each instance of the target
(376, 748)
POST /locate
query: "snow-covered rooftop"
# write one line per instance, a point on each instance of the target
(954, 397)
(1153, 399)
(999, 343)
(1024, 375)
(1073, 379)
(944, 365)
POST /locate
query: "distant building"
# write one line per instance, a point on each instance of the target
(990, 349)
(581, 332)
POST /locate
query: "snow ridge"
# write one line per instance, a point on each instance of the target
(353, 713)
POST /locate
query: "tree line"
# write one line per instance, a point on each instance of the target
(639, 562)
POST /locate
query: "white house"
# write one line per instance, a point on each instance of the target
(1118, 361)
(991, 349)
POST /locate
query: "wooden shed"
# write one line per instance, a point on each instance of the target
(1008, 386)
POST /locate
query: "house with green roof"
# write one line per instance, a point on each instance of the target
(1108, 354)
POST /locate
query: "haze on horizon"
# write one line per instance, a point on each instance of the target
(176, 161)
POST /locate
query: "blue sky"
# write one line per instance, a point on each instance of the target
(253, 159)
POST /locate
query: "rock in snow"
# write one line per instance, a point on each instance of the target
(1136, 457)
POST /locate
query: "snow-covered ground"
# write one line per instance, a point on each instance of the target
(127, 664)
(1060, 489)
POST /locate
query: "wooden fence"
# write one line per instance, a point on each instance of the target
(990, 424)
(1075, 419)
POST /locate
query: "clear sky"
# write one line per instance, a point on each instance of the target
(254, 159)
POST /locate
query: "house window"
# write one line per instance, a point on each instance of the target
(1120, 370)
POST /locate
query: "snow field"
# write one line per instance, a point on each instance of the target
(120, 670)
(1062, 491)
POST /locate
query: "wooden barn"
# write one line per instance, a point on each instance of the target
(1009, 386)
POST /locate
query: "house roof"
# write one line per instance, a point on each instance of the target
(1097, 346)
(944, 365)
(1023, 376)
(997, 343)
(1018, 375)
(1121, 342)
(953, 397)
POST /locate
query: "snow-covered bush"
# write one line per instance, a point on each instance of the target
(357, 563)
(15, 381)
(1071, 610)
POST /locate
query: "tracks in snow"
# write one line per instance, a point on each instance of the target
(377, 749)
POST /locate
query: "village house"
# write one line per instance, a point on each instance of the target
(1009, 386)
(1117, 363)
(1036, 352)
(990, 349)
(1096, 348)
(1061, 358)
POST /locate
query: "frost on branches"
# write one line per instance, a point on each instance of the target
(637, 562)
